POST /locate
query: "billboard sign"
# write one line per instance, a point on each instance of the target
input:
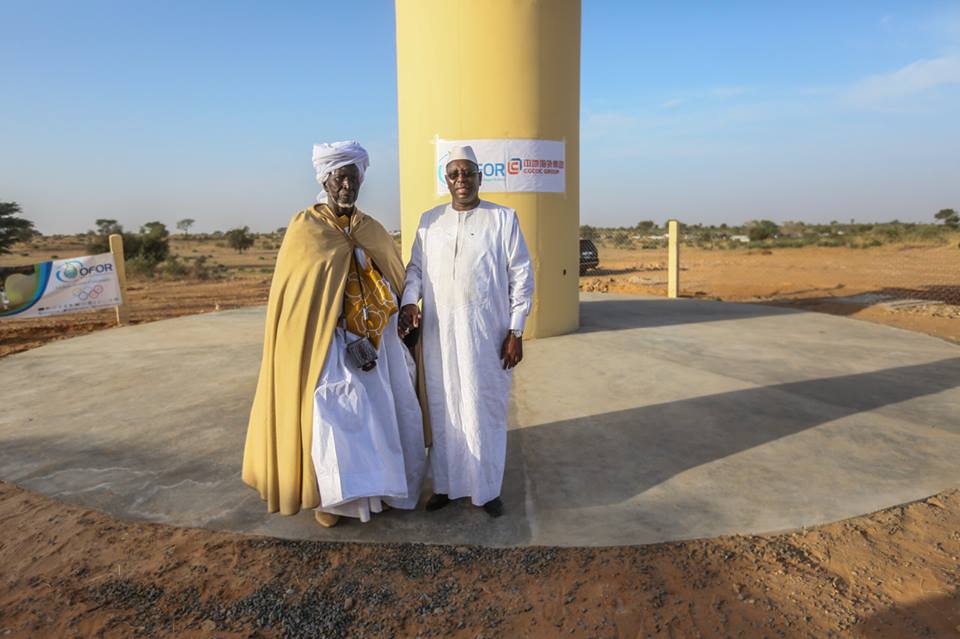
(59, 286)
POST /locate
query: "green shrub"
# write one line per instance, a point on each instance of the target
(762, 230)
(140, 267)
(172, 268)
(888, 232)
(788, 242)
(203, 271)
(154, 244)
(832, 242)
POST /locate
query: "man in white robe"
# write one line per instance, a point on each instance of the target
(356, 418)
(471, 269)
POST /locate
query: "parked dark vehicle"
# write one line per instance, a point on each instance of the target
(589, 258)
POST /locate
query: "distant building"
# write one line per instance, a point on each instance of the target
(740, 238)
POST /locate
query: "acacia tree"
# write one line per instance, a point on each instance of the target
(950, 218)
(107, 227)
(185, 224)
(239, 239)
(13, 229)
(100, 242)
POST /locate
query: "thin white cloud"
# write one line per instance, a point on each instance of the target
(672, 104)
(912, 79)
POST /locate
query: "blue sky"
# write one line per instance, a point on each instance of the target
(709, 112)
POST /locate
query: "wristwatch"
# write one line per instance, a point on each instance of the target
(516, 333)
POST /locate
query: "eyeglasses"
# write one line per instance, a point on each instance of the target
(466, 175)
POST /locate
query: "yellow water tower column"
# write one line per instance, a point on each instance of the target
(504, 76)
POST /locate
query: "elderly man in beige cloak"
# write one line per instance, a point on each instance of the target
(336, 424)
(471, 268)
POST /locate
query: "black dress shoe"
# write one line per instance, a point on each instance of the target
(437, 501)
(494, 507)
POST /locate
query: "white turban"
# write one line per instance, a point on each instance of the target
(327, 158)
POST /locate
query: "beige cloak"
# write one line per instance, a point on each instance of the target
(306, 298)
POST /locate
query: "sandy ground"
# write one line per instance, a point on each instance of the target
(912, 287)
(70, 572)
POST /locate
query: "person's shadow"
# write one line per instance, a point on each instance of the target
(605, 451)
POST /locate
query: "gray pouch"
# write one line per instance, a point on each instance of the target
(361, 354)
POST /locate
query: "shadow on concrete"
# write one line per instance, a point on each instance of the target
(122, 478)
(622, 454)
(624, 314)
(134, 469)
(931, 617)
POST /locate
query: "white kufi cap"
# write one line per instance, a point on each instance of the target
(462, 153)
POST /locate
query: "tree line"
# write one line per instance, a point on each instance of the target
(151, 244)
(650, 234)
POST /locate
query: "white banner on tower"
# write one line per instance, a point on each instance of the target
(511, 166)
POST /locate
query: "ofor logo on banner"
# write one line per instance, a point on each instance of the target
(511, 166)
(60, 286)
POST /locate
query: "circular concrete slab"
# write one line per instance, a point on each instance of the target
(659, 420)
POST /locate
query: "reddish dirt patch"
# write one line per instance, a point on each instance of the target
(71, 572)
(815, 279)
